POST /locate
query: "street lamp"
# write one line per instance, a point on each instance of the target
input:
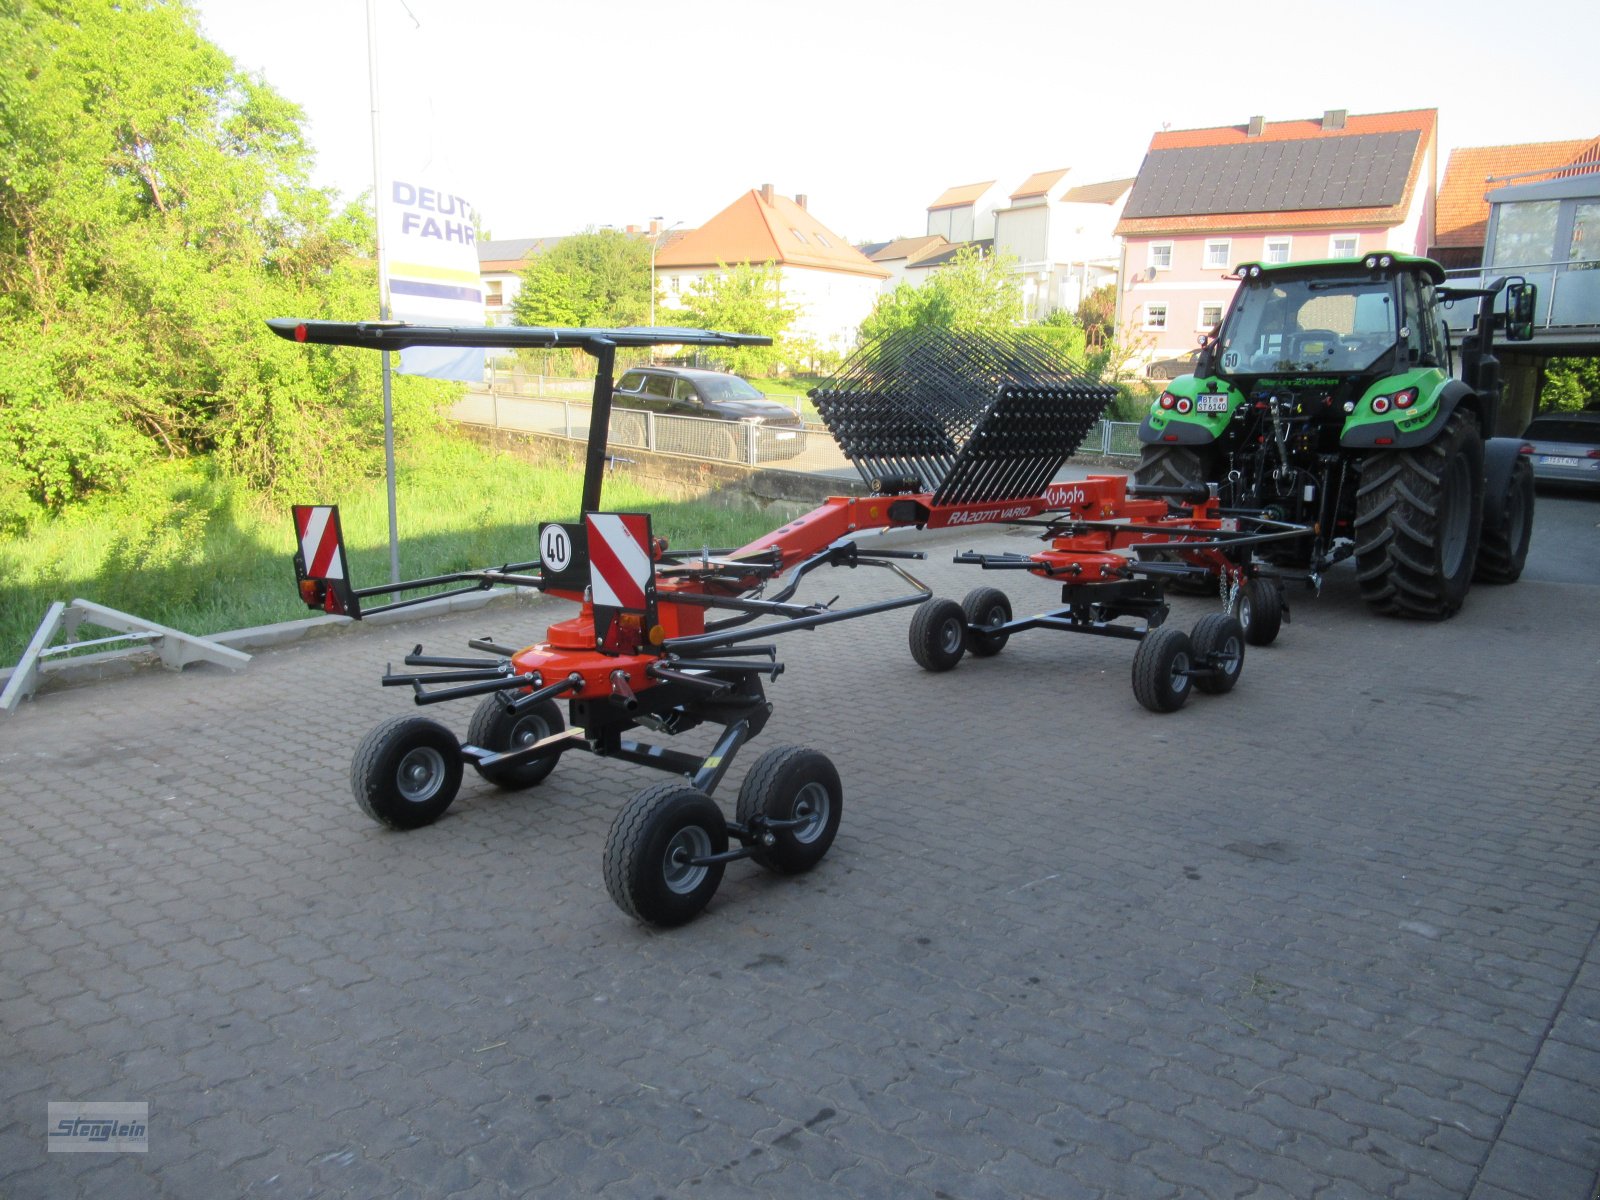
(655, 244)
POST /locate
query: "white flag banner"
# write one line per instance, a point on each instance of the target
(431, 240)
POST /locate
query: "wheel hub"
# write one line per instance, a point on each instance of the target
(678, 868)
(420, 774)
(811, 808)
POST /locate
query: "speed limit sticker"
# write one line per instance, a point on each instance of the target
(563, 557)
(555, 548)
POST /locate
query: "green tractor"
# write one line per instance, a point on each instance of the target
(1331, 396)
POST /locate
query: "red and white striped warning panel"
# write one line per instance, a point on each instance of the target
(320, 549)
(619, 560)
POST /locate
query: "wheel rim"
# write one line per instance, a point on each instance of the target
(1180, 677)
(1246, 609)
(1453, 538)
(528, 731)
(951, 634)
(681, 875)
(420, 773)
(996, 616)
(812, 805)
(1228, 656)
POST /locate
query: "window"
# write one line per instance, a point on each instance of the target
(798, 236)
(1155, 316)
(1218, 251)
(1161, 256)
(683, 391)
(1210, 316)
(1585, 247)
(673, 283)
(631, 382)
(1525, 232)
(1342, 245)
(1275, 250)
(824, 241)
(658, 385)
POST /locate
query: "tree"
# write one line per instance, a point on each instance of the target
(592, 278)
(972, 293)
(743, 299)
(1063, 330)
(154, 210)
(1569, 384)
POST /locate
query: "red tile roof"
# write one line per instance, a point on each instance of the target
(1463, 211)
(1423, 121)
(761, 226)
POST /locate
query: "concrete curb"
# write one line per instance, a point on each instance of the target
(108, 664)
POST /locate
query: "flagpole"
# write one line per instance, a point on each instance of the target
(383, 291)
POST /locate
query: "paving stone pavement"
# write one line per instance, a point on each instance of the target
(1331, 935)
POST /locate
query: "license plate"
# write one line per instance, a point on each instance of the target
(784, 437)
(1555, 460)
(1212, 403)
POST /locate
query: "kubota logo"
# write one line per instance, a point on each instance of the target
(1058, 496)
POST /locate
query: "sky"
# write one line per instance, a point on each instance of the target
(552, 118)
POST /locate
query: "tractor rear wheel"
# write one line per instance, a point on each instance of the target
(406, 772)
(649, 860)
(938, 634)
(986, 606)
(1419, 514)
(1174, 466)
(1503, 550)
(1161, 669)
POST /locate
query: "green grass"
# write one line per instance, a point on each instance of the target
(183, 548)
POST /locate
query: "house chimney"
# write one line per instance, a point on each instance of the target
(800, 199)
(633, 229)
(655, 227)
(1256, 126)
(766, 194)
(1333, 118)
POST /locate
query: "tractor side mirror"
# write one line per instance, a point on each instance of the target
(1521, 298)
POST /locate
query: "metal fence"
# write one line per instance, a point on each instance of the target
(810, 448)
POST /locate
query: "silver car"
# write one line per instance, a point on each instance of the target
(1565, 447)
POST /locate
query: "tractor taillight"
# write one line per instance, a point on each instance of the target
(1185, 404)
(1168, 400)
(308, 593)
(1380, 404)
(1405, 398)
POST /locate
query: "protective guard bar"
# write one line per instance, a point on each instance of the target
(601, 343)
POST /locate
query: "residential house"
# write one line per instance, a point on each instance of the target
(500, 265)
(1206, 200)
(901, 254)
(1471, 172)
(833, 284)
(965, 213)
(1063, 238)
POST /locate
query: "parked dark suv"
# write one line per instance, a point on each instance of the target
(711, 396)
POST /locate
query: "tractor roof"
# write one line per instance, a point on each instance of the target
(1342, 266)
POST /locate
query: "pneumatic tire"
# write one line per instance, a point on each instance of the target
(986, 606)
(1160, 669)
(494, 728)
(406, 772)
(1260, 610)
(1174, 466)
(792, 783)
(938, 634)
(1503, 550)
(648, 871)
(1218, 641)
(1419, 516)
